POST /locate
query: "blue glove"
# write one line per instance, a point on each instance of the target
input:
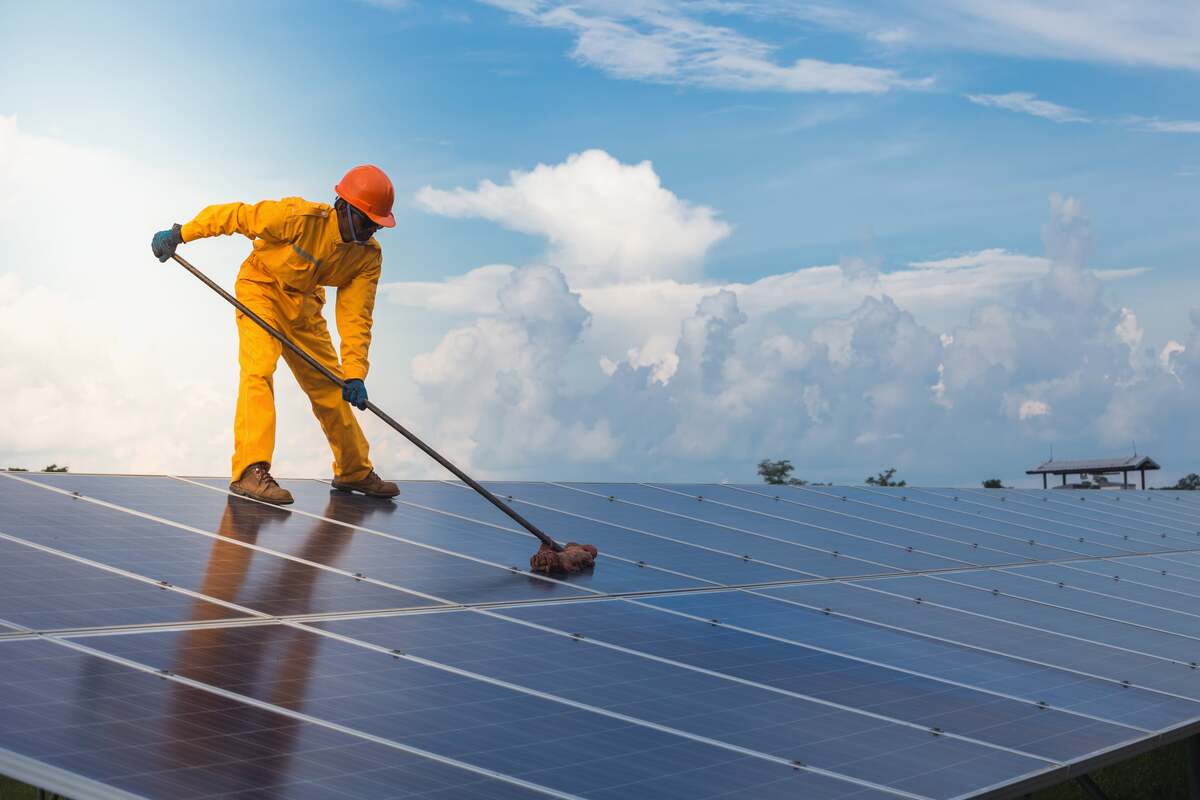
(164, 242)
(354, 392)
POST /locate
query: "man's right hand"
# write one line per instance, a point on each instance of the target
(164, 242)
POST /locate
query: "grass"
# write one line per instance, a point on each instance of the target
(1158, 775)
(12, 790)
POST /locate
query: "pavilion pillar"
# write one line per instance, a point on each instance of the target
(1045, 485)
(1143, 480)
(1064, 479)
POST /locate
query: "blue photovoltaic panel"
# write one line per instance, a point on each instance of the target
(156, 738)
(886, 643)
(952, 622)
(1078, 519)
(903, 636)
(786, 725)
(420, 569)
(1020, 542)
(41, 591)
(503, 547)
(824, 676)
(612, 538)
(221, 568)
(478, 723)
(863, 552)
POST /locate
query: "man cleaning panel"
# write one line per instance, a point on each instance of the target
(300, 247)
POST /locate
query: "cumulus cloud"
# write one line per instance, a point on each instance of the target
(605, 221)
(838, 373)
(1026, 103)
(497, 382)
(668, 42)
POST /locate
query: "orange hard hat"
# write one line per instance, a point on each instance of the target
(368, 189)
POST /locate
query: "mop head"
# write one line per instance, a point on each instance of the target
(573, 558)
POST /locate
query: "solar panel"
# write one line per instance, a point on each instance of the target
(733, 641)
(122, 729)
(40, 590)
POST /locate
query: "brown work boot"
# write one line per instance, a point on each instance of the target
(256, 482)
(372, 485)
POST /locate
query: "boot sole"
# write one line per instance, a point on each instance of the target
(352, 489)
(244, 493)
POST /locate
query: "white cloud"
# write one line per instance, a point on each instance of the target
(686, 379)
(605, 221)
(476, 292)
(1172, 126)
(1033, 408)
(666, 42)
(1026, 103)
(1158, 34)
(1120, 274)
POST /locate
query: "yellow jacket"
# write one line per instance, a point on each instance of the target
(298, 249)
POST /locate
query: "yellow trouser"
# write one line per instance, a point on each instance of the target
(258, 353)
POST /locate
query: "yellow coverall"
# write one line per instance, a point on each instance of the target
(298, 250)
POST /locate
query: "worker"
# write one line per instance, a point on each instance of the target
(300, 247)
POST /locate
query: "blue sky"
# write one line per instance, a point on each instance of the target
(804, 160)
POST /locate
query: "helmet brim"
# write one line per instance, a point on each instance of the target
(386, 222)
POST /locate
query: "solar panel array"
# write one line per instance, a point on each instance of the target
(162, 638)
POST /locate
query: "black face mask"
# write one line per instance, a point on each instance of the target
(358, 225)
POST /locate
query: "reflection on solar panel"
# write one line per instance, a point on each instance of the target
(162, 638)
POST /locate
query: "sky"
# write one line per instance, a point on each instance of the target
(636, 240)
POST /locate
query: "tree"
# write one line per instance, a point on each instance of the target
(54, 468)
(884, 478)
(778, 473)
(1188, 483)
(993, 483)
(15, 469)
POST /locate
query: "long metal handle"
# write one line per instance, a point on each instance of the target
(403, 431)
